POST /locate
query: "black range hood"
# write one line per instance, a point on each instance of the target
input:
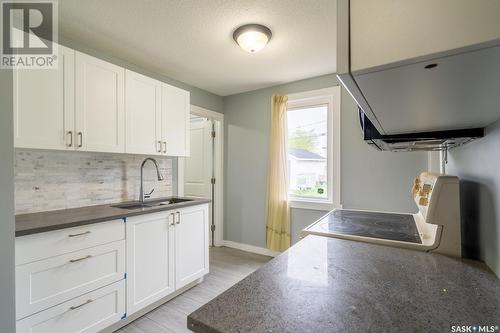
(423, 141)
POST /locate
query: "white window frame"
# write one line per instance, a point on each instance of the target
(330, 96)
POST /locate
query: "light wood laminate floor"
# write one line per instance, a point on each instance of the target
(227, 266)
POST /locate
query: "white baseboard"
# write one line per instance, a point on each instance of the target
(250, 248)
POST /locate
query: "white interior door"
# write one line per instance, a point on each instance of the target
(198, 166)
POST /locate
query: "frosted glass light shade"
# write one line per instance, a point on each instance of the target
(252, 37)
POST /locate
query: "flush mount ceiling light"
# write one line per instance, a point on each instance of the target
(252, 37)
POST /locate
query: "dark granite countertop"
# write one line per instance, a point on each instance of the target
(324, 284)
(33, 223)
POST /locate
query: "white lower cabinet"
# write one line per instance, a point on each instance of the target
(191, 244)
(88, 313)
(165, 252)
(150, 259)
(53, 243)
(86, 278)
(44, 283)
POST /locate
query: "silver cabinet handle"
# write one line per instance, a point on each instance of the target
(173, 219)
(80, 259)
(164, 147)
(158, 146)
(79, 306)
(80, 139)
(70, 144)
(178, 217)
(80, 234)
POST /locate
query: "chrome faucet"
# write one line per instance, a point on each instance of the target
(143, 196)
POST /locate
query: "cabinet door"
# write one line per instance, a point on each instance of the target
(150, 259)
(142, 114)
(88, 313)
(175, 120)
(45, 283)
(191, 244)
(100, 111)
(44, 105)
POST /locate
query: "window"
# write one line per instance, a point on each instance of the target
(313, 138)
(308, 151)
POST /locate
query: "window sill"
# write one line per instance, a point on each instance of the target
(313, 205)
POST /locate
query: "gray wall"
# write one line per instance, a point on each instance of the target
(199, 97)
(370, 179)
(478, 165)
(7, 302)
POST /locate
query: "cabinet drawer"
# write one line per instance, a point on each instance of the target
(45, 283)
(53, 243)
(91, 312)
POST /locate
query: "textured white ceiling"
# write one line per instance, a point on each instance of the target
(191, 40)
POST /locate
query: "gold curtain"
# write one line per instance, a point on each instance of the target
(278, 212)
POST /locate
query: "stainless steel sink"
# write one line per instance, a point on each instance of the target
(174, 201)
(150, 204)
(133, 205)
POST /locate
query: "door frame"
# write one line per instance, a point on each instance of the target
(218, 160)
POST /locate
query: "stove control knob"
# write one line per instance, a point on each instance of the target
(427, 188)
(416, 186)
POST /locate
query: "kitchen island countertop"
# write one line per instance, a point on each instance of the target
(326, 284)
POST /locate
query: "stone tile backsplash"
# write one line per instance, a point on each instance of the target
(50, 180)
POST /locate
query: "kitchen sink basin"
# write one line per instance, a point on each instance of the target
(175, 200)
(149, 204)
(133, 206)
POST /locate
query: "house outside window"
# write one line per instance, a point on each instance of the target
(313, 139)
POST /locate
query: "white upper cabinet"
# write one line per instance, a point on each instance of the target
(150, 259)
(89, 104)
(44, 105)
(143, 114)
(191, 244)
(99, 105)
(388, 31)
(175, 121)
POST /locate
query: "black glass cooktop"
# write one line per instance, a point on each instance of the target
(398, 227)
